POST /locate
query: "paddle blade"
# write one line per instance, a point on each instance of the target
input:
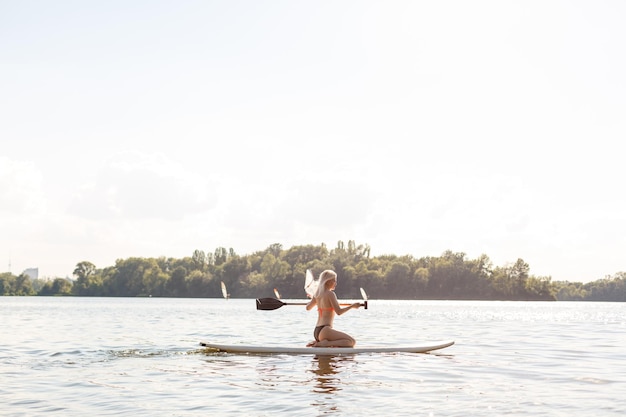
(268, 304)
(363, 294)
(276, 293)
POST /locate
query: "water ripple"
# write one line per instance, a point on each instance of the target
(76, 357)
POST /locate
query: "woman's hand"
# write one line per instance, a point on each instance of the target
(356, 305)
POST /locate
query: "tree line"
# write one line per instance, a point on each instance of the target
(451, 276)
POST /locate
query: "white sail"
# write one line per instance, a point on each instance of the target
(310, 283)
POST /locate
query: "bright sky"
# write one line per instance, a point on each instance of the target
(155, 128)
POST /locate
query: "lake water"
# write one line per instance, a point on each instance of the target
(141, 357)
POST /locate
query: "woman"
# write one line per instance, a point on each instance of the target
(327, 306)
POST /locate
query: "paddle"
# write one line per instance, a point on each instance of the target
(273, 304)
(363, 294)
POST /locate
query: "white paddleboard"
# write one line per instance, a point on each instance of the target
(326, 351)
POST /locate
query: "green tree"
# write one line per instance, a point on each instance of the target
(611, 288)
(540, 288)
(7, 282)
(202, 284)
(199, 260)
(518, 274)
(177, 284)
(154, 280)
(83, 272)
(23, 285)
(234, 272)
(221, 255)
(258, 285)
(38, 284)
(136, 277)
(274, 269)
(275, 249)
(59, 286)
(399, 280)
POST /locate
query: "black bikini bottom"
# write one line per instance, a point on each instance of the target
(318, 329)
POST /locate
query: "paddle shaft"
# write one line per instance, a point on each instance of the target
(341, 304)
(273, 304)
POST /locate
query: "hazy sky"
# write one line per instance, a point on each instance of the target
(155, 128)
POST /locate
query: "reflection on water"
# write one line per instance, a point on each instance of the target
(328, 375)
(328, 371)
(327, 381)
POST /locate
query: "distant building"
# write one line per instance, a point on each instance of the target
(33, 273)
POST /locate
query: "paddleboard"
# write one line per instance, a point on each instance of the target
(326, 351)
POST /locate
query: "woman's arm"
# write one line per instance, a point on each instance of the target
(338, 309)
(311, 303)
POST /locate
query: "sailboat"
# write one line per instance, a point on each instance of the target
(224, 292)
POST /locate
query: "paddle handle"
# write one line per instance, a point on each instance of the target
(363, 304)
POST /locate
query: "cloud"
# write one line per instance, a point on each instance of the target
(331, 205)
(134, 185)
(297, 211)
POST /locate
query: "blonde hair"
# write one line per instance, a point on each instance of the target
(325, 276)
